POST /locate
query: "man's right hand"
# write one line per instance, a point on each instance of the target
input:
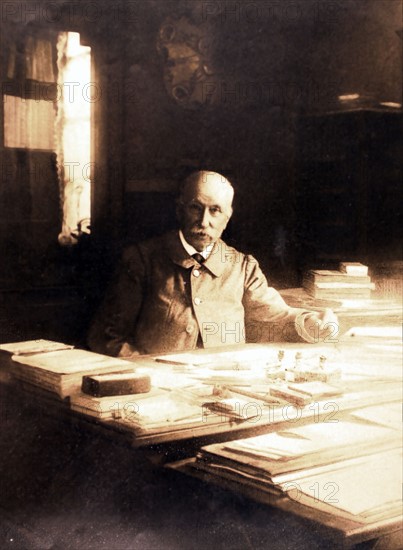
(127, 351)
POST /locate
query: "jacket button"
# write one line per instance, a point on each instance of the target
(189, 329)
(197, 301)
(196, 272)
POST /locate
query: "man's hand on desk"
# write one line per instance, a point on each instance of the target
(322, 326)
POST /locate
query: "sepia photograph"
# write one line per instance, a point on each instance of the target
(201, 274)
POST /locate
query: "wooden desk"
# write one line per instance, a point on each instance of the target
(370, 355)
(365, 353)
(367, 356)
(366, 389)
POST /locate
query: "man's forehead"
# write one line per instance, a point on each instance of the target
(212, 177)
(209, 186)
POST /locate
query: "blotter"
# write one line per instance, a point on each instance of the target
(126, 383)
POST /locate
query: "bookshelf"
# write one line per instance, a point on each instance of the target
(348, 188)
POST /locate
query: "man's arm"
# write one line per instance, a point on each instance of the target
(113, 328)
(268, 318)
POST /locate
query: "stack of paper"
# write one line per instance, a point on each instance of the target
(115, 406)
(62, 371)
(164, 412)
(160, 410)
(330, 466)
(306, 446)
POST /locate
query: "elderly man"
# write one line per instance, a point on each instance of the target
(189, 289)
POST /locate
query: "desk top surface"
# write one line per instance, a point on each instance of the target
(175, 410)
(370, 367)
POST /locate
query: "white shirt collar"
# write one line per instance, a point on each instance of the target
(191, 250)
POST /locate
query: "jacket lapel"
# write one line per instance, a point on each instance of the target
(176, 252)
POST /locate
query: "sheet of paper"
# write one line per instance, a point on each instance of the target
(162, 410)
(310, 439)
(359, 489)
(71, 361)
(33, 346)
(253, 357)
(381, 331)
(388, 414)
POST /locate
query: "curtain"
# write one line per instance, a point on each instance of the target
(47, 107)
(73, 139)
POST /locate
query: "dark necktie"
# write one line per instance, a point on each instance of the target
(198, 257)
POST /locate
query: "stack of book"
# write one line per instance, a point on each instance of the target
(58, 368)
(350, 282)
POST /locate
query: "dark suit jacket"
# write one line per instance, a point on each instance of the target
(163, 300)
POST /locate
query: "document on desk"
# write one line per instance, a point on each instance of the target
(330, 468)
(112, 407)
(388, 414)
(310, 440)
(62, 371)
(160, 413)
(71, 361)
(225, 359)
(371, 357)
(30, 347)
(252, 365)
(369, 488)
(250, 356)
(375, 332)
(303, 447)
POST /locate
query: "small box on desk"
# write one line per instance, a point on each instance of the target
(124, 383)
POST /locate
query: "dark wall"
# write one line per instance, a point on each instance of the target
(273, 62)
(269, 64)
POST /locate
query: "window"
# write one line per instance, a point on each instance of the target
(73, 125)
(47, 107)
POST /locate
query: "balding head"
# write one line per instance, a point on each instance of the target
(204, 207)
(212, 182)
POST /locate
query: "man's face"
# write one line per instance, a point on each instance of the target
(204, 210)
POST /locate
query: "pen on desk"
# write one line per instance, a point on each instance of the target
(173, 362)
(34, 351)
